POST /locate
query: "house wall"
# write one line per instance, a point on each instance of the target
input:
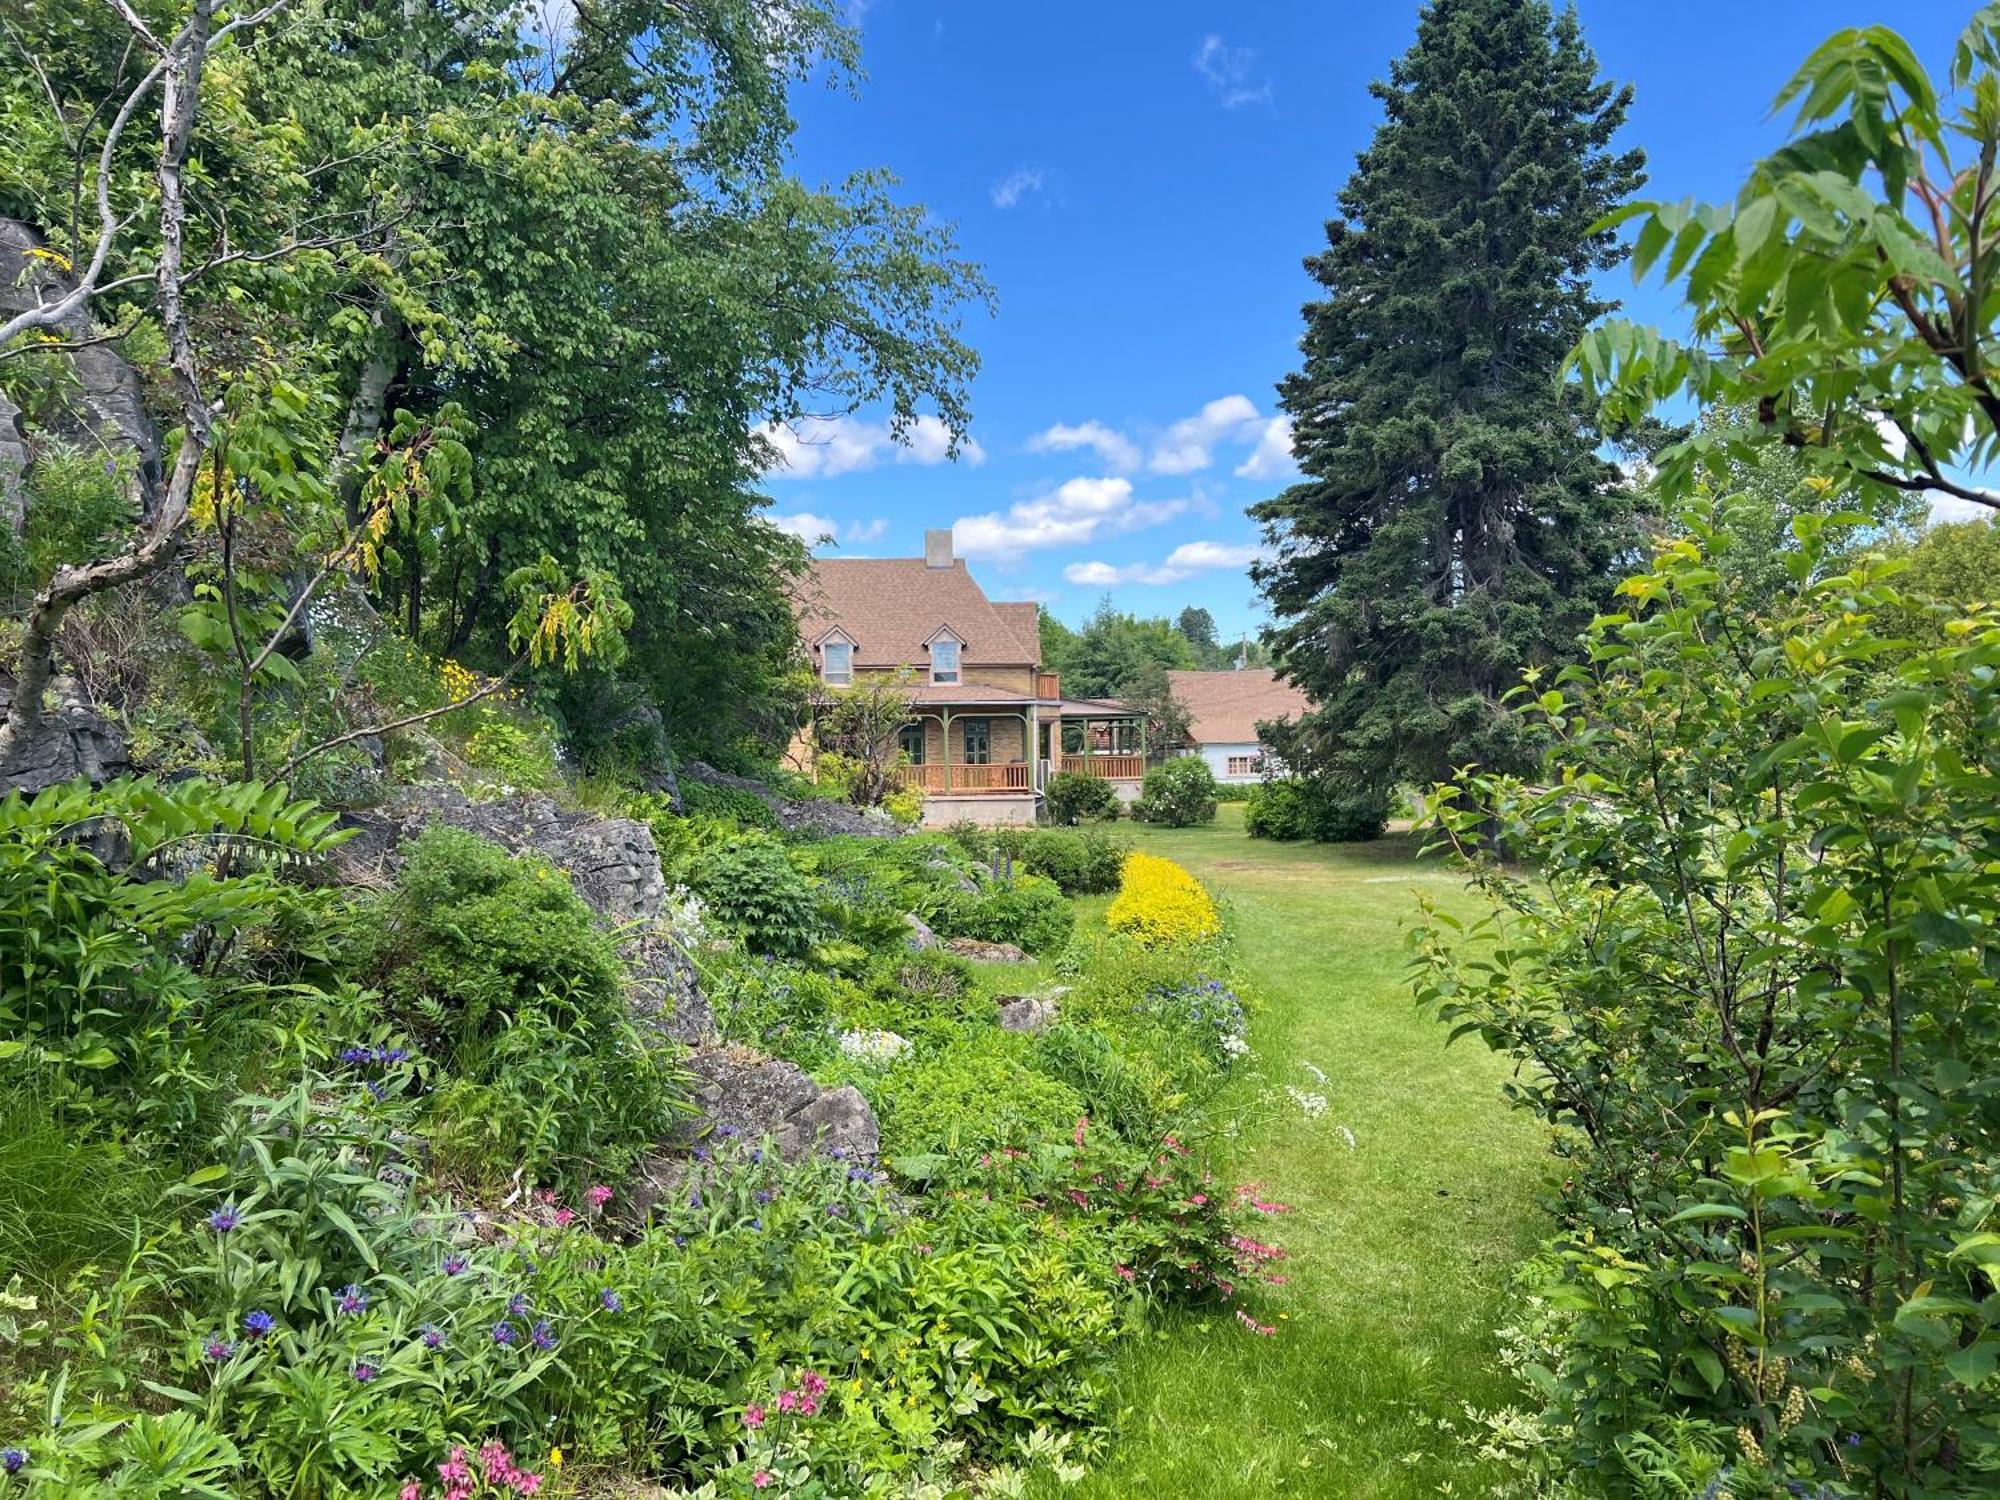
(987, 811)
(1218, 753)
(1007, 737)
(971, 673)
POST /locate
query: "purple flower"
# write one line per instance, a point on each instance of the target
(219, 1349)
(503, 1332)
(838, 1210)
(352, 1300)
(727, 1132)
(364, 1372)
(13, 1460)
(694, 1198)
(680, 1242)
(225, 1218)
(611, 1300)
(700, 1153)
(517, 1306)
(455, 1263)
(543, 1335)
(257, 1324)
(859, 1174)
(433, 1336)
(757, 1224)
(763, 1195)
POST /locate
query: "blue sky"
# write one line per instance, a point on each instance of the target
(1141, 181)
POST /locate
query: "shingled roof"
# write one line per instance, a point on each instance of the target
(1226, 707)
(890, 607)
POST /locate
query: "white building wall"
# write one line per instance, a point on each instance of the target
(1218, 756)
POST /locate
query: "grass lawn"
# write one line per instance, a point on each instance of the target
(1403, 1242)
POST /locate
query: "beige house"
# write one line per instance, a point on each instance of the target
(1224, 710)
(988, 725)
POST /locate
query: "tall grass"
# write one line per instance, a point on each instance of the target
(65, 1202)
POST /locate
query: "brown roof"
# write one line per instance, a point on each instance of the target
(891, 606)
(1226, 707)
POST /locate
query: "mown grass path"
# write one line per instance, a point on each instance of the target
(1403, 1243)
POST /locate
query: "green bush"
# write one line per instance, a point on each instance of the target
(1083, 861)
(495, 965)
(786, 1009)
(704, 799)
(1072, 796)
(1296, 808)
(1028, 910)
(1179, 794)
(1120, 1086)
(980, 1093)
(752, 888)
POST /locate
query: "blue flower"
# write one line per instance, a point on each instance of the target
(352, 1300)
(543, 1335)
(225, 1218)
(517, 1305)
(432, 1335)
(763, 1195)
(836, 1209)
(455, 1263)
(219, 1349)
(364, 1372)
(257, 1324)
(13, 1460)
(503, 1332)
(611, 1300)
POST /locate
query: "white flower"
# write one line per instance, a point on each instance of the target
(1234, 1043)
(1312, 1106)
(873, 1046)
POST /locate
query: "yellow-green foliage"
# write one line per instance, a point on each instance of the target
(1159, 902)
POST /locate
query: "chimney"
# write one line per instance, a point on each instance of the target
(937, 548)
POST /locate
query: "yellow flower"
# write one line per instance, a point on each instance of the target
(555, 1458)
(1159, 902)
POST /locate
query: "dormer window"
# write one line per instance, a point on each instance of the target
(944, 659)
(837, 662)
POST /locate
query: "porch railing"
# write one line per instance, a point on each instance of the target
(999, 776)
(1107, 767)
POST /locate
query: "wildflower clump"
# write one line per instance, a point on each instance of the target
(1159, 903)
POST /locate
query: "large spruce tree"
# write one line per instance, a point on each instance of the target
(1455, 523)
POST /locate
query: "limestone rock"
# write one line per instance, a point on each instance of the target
(1032, 1013)
(811, 815)
(921, 938)
(986, 953)
(73, 740)
(743, 1095)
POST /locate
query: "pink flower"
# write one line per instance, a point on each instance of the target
(1082, 1125)
(815, 1385)
(565, 1217)
(526, 1484)
(753, 1416)
(762, 1479)
(788, 1401)
(1126, 1272)
(454, 1469)
(411, 1491)
(598, 1195)
(1079, 1198)
(1254, 1326)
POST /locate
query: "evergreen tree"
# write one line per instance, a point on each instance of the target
(1455, 524)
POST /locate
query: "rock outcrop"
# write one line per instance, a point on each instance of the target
(744, 1095)
(106, 409)
(809, 815)
(612, 862)
(73, 739)
(981, 952)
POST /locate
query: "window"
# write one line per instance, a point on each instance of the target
(944, 659)
(910, 740)
(1245, 765)
(837, 661)
(978, 742)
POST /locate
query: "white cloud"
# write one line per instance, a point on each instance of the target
(1117, 450)
(1075, 512)
(1186, 446)
(1272, 457)
(1231, 72)
(826, 447)
(1184, 562)
(816, 530)
(1025, 181)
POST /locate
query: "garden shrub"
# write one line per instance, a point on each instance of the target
(512, 747)
(1083, 861)
(705, 799)
(979, 1094)
(494, 964)
(1750, 984)
(752, 887)
(1179, 794)
(1026, 910)
(1296, 808)
(134, 994)
(1073, 796)
(1160, 903)
(786, 1009)
(1120, 1086)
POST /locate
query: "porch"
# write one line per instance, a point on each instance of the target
(1096, 737)
(949, 751)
